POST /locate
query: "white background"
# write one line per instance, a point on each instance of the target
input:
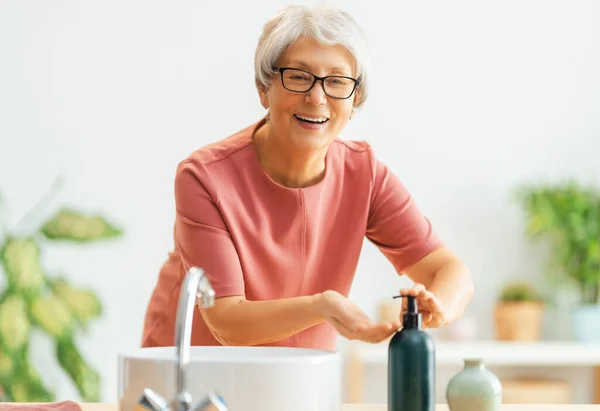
(468, 100)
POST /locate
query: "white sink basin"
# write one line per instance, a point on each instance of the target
(248, 378)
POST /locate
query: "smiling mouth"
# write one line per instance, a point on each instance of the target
(312, 120)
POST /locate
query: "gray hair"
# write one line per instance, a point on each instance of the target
(326, 25)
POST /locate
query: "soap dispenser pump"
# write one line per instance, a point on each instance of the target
(411, 364)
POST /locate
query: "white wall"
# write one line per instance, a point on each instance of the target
(469, 98)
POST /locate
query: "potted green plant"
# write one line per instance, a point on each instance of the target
(519, 313)
(32, 298)
(566, 216)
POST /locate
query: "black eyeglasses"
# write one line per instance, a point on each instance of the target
(301, 81)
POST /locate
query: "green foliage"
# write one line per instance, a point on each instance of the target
(73, 226)
(21, 259)
(519, 292)
(82, 304)
(32, 299)
(567, 216)
(25, 384)
(86, 379)
(14, 324)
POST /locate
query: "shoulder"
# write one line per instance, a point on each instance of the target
(202, 165)
(219, 154)
(222, 149)
(359, 159)
(354, 154)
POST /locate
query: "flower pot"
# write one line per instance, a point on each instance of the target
(519, 321)
(475, 388)
(585, 320)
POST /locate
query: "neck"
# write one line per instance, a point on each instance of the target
(288, 166)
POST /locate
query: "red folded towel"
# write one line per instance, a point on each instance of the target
(54, 406)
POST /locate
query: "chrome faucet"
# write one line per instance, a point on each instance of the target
(195, 288)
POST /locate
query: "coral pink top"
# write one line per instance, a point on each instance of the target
(256, 238)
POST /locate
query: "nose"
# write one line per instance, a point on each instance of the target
(316, 95)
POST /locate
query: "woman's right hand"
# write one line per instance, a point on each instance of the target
(350, 321)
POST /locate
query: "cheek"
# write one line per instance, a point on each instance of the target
(343, 112)
(282, 101)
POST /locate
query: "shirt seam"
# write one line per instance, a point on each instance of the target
(372, 194)
(303, 252)
(349, 146)
(216, 160)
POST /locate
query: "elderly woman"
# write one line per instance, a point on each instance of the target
(276, 213)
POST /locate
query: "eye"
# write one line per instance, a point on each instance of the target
(298, 76)
(339, 82)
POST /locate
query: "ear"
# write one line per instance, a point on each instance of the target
(357, 96)
(264, 98)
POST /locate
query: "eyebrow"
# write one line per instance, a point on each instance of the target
(338, 70)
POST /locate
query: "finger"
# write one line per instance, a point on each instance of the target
(378, 332)
(434, 314)
(415, 291)
(440, 319)
(404, 291)
(430, 301)
(393, 328)
(418, 288)
(412, 291)
(426, 295)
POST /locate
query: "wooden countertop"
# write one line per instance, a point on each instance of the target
(381, 407)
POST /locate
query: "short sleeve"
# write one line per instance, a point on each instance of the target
(201, 235)
(395, 223)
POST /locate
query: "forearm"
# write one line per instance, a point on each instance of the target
(262, 322)
(453, 286)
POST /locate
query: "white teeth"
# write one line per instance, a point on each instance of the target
(313, 119)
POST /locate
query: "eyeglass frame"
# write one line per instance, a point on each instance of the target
(281, 70)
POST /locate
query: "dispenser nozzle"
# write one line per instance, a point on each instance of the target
(412, 317)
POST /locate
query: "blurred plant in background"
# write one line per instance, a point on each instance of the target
(520, 291)
(31, 298)
(567, 217)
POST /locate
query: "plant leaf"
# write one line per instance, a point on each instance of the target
(53, 315)
(26, 384)
(83, 304)
(6, 365)
(14, 323)
(85, 378)
(21, 260)
(71, 225)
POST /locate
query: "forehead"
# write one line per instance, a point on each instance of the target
(319, 58)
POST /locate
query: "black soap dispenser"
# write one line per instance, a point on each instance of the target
(411, 364)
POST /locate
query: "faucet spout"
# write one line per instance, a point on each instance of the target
(195, 289)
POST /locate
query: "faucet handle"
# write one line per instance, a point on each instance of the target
(211, 402)
(182, 402)
(151, 401)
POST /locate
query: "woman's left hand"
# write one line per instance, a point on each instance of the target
(434, 315)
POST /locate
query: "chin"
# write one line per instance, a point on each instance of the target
(311, 141)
